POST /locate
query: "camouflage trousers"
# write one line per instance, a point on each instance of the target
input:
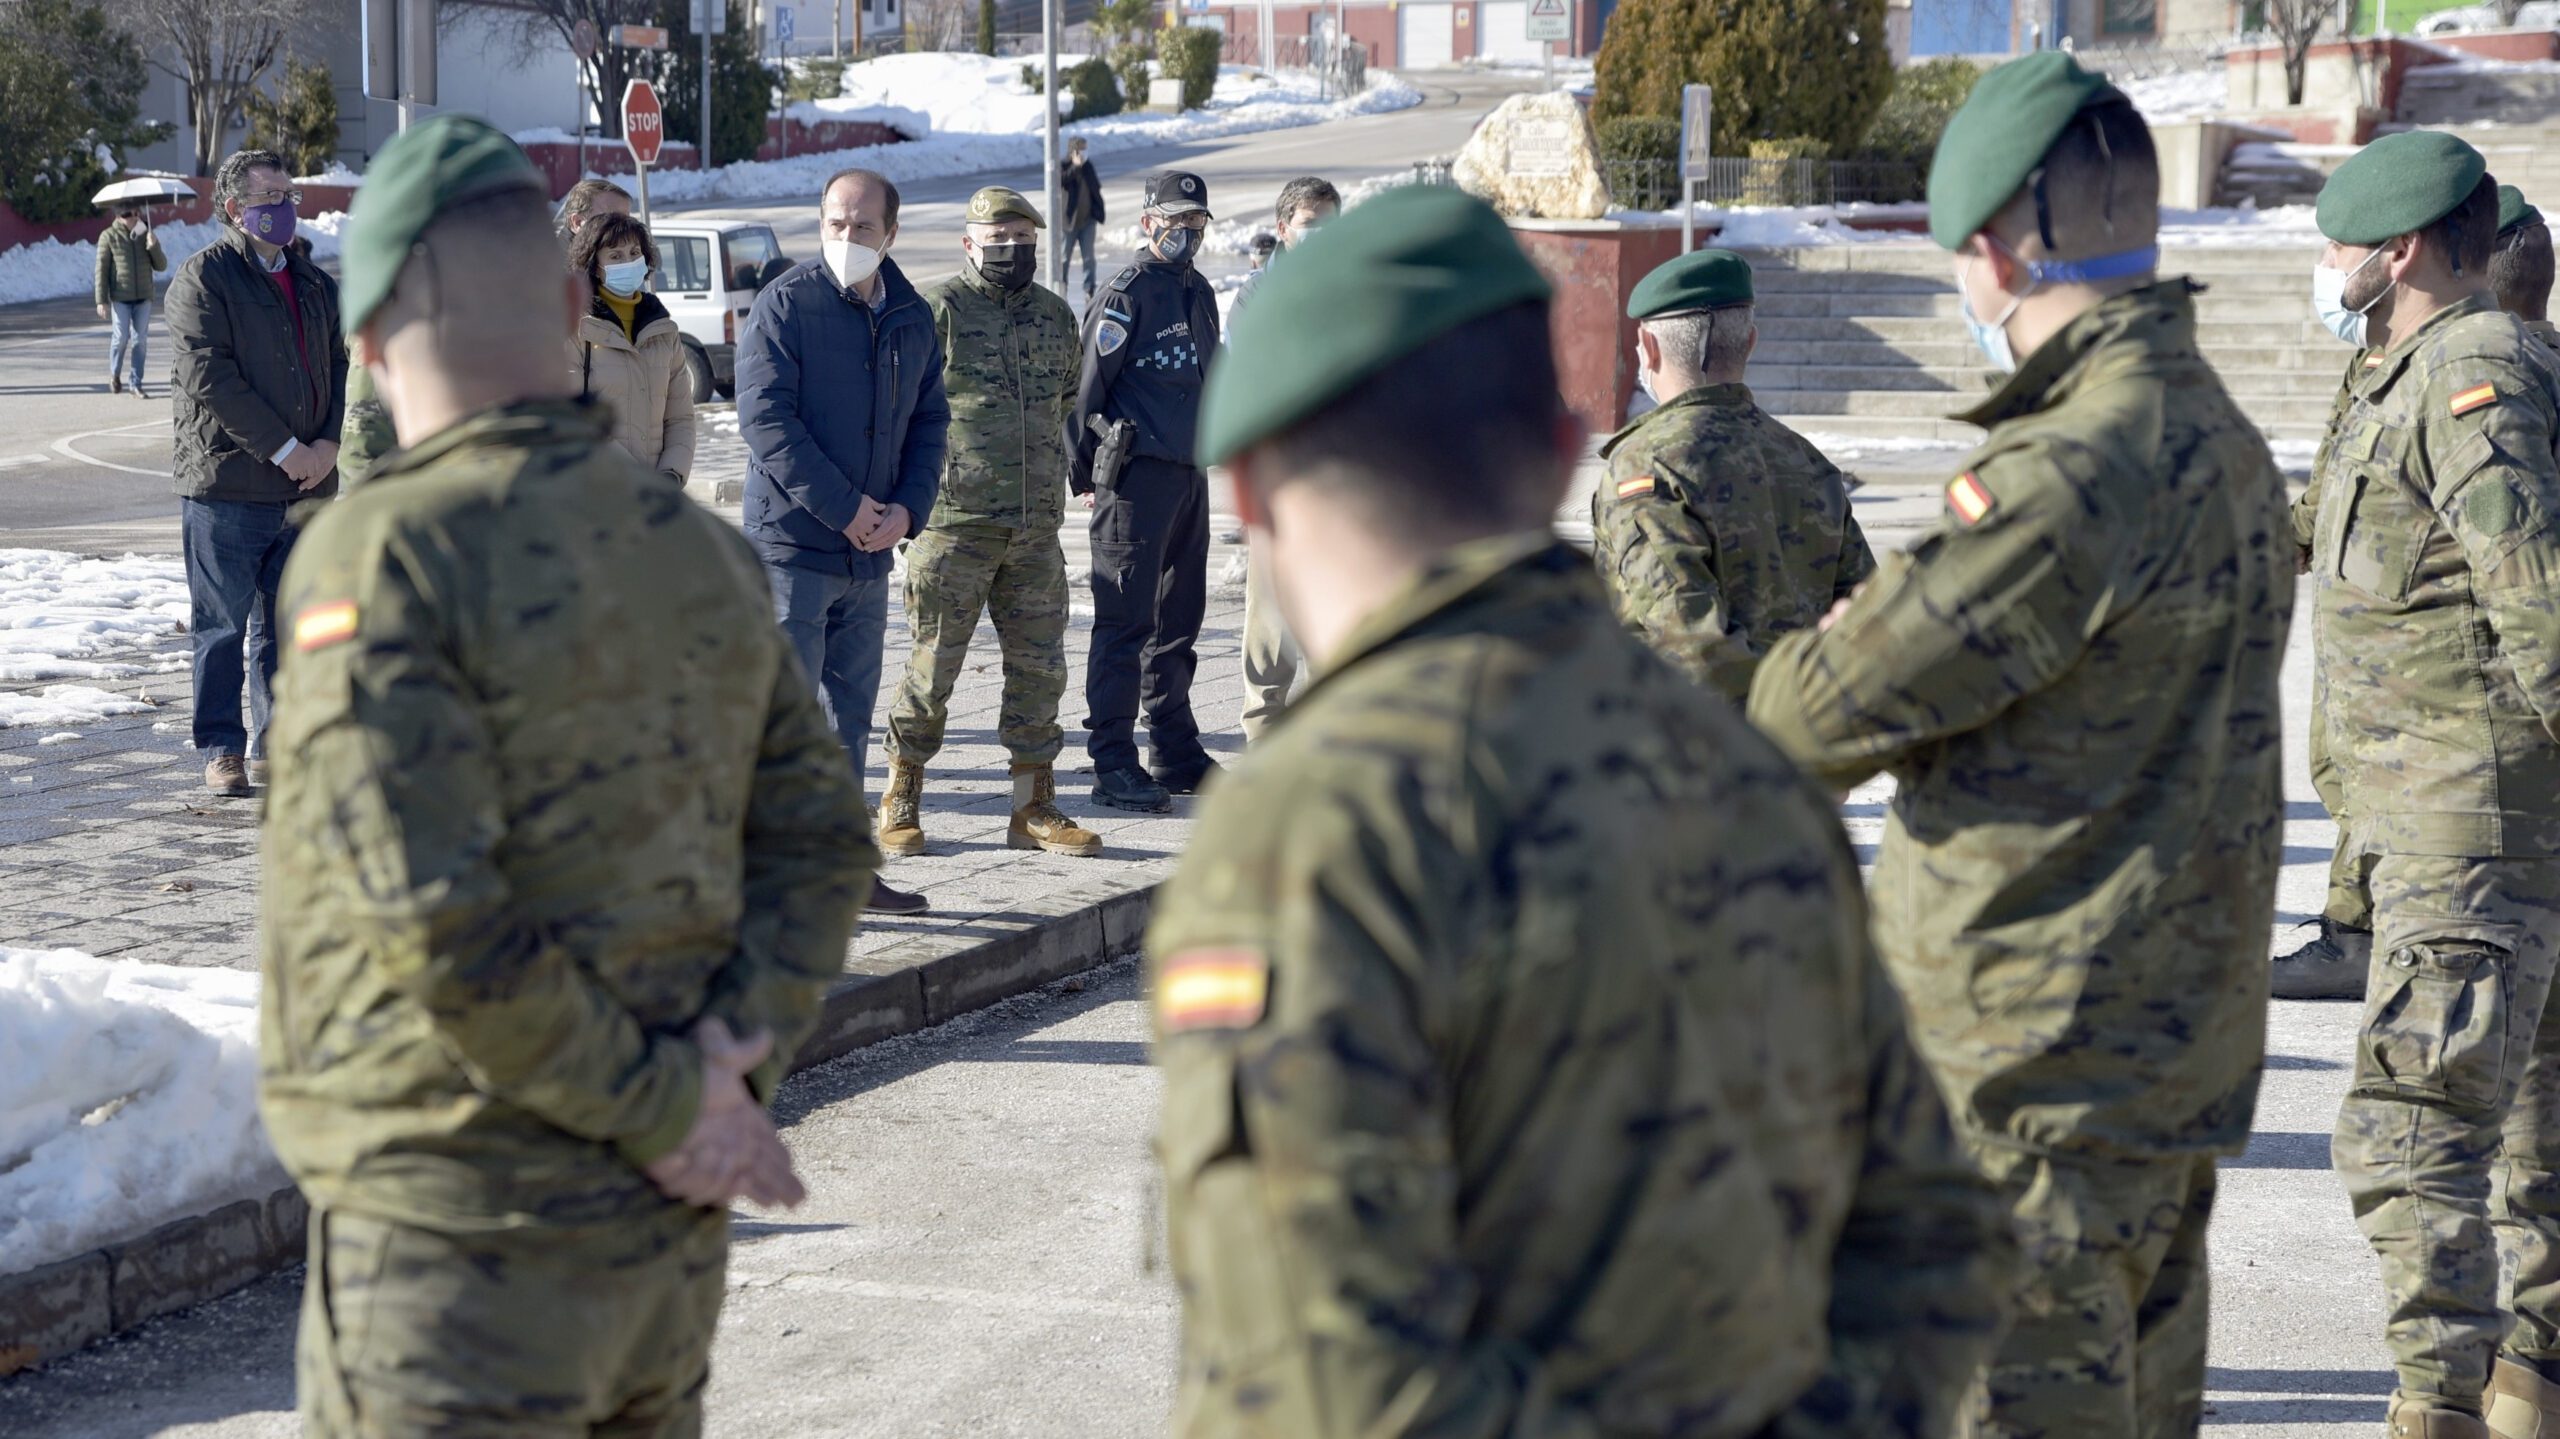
(2107, 1335)
(2350, 901)
(1273, 666)
(2449, 1141)
(510, 1334)
(1016, 574)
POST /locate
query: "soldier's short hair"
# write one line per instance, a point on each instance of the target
(468, 272)
(2469, 232)
(2520, 272)
(1488, 389)
(232, 180)
(1700, 343)
(2097, 192)
(582, 197)
(1304, 191)
(871, 179)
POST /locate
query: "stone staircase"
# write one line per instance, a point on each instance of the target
(2447, 97)
(1868, 340)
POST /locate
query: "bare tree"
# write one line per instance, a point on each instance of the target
(2297, 25)
(217, 50)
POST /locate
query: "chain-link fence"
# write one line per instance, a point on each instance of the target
(1654, 184)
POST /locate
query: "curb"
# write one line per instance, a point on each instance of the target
(72, 1303)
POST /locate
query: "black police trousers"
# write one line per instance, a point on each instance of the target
(1150, 587)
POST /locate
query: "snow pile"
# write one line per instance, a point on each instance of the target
(49, 269)
(336, 174)
(914, 124)
(56, 609)
(1759, 227)
(1241, 105)
(134, 1100)
(2180, 94)
(958, 93)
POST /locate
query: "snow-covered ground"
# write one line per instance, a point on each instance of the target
(59, 611)
(133, 1099)
(2180, 94)
(983, 91)
(50, 269)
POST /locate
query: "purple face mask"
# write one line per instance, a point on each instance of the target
(271, 223)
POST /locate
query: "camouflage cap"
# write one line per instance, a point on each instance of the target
(1700, 281)
(2397, 184)
(1995, 142)
(424, 171)
(997, 202)
(1357, 296)
(2514, 213)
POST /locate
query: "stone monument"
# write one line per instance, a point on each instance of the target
(1535, 158)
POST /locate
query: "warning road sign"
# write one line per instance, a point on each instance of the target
(1549, 20)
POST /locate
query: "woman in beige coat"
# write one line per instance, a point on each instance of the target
(627, 351)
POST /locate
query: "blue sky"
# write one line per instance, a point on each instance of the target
(1958, 27)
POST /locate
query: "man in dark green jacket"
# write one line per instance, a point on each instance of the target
(128, 256)
(260, 384)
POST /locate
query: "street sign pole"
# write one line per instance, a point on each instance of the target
(708, 6)
(1697, 117)
(1049, 145)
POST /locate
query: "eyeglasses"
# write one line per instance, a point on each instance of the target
(271, 197)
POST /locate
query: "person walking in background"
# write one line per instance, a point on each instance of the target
(128, 256)
(1146, 344)
(627, 351)
(1080, 193)
(841, 404)
(1009, 367)
(260, 379)
(1272, 664)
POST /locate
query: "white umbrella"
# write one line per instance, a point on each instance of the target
(145, 189)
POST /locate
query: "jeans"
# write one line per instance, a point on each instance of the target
(132, 335)
(235, 552)
(1070, 244)
(837, 624)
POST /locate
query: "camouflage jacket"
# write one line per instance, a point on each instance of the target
(1718, 529)
(511, 856)
(1527, 1067)
(2306, 506)
(1010, 364)
(2545, 331)
(367, 434)
(2073, 677)
(2438, 567)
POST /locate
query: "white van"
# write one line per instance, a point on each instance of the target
(708, 274)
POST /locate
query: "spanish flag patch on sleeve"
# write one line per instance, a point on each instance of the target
(1212, 989)
(2471, 399)
(1967, 497)
(324, 625)
(1640, 487)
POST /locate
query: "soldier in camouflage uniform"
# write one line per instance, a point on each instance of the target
(2074, 679)
(1717, 529)
(2520, 267)
(545, 909)
(1010, 367)
(367, 434)
(1527, 1066)
(2435, 567)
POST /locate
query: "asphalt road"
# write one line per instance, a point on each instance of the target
(84, 470)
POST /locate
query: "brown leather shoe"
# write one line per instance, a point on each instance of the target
(2522, 1404)
(900, 830)
(2408, 1421)
(1038, 823)
(227, 775)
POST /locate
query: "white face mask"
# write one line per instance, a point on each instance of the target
(2329, 299)
(1990, 336)
(1644, 377)
(850, 263)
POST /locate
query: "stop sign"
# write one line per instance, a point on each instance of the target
(644, 121)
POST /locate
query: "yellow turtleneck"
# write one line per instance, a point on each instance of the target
(625, 310)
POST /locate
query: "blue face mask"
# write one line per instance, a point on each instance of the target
(624, 277)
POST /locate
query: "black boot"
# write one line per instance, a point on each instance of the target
(1130, 789)
(2331, 966)
(886, 900)
(1188, 778)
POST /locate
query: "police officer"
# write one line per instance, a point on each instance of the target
(1717, 529)
(2437, 574)
(545, 909)
(1147, 343)
(1009, 368)
(1528, 1069)
(2074, 678)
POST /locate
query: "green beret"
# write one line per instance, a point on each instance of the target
(2001, 134)
(2397, 184)
(2513, 212)
(1367, 290)
(996, 202)
(1701, 281)
(424, 171)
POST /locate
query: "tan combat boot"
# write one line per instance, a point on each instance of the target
(900, 830)
(2408, 1421)
(1037, 822)
(2522, 1404)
